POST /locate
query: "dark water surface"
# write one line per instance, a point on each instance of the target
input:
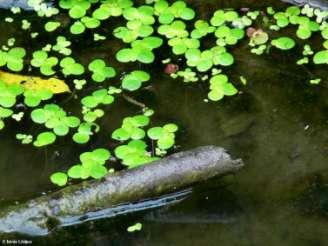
(278, 125)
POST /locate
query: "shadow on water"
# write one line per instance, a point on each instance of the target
(278, 125)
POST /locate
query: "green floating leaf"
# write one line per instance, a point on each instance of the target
(131, 128)
(98, 97)
(13, 59)
(59, 178)
(44, 138)
(51, 26)
(34, 97)
(8, 94)
(283, 43)
(111, 8)
(135, 227)
(77, 28)
(71, 67)
(141, 50)
(315, 81)
(134, 154)
(55, 118)
(83, 133)
(202, 28)
(165, 136)
(90, 22)
(133, 81)
(92, 165)
(62, 45)
(205, 60)
(220, 87)
(100, 71)
(144, 14)
(45, 63)
(321, 57)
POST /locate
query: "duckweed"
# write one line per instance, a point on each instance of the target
(201, 48)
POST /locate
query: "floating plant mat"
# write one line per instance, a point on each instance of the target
(110, 57)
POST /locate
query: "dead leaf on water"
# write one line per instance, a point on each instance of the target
(56, 86)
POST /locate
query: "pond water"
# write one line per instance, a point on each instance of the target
(278, 125)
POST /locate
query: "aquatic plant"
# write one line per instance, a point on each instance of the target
(44, 138)
(13, 59)
(24, 138)
(92, 165)
(141, 50)
(45, 63)
(55, 118)
(198, 50)
(4, 113)
(165, 136)
(111, 8)
(134, 154)
(100, 71)
(135, 227)
(100, 96)
(71, 67)
(133, 81)
(321, 57)
(34, 97)
(51, 26)
(59, 178)
(220, 87)
(131, 128)
(283, 43)
(8, 94)
(84, 132)
(62, 45)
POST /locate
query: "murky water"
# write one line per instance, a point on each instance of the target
(278, 125)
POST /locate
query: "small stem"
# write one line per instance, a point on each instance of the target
(152, 148)
(69, 98)
(133, 101)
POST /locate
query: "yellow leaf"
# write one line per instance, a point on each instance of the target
(56, 86)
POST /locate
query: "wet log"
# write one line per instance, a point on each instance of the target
(319, 4)
(79, 202)
(7, 4)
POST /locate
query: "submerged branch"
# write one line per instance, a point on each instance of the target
(133, 101)
(85, 201)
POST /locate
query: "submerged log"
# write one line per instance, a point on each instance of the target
(319, 4)
(7, 4)
(74, 203)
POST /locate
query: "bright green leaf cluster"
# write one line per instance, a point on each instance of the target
(134, 154)
(55, 118)
(131, 128)
(92, 165)
(4, 113)
(110, 8)
(71, 67)
(166, 13)
(141, 50)
(84, 132)
(220, 87)
(133, 81)
(205, 60)
(165, 136)
(100, 96)
(8, 94)
(100, 71)
(283, 43)
(13, 59)
(45, 63)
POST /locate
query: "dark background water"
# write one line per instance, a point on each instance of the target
(278, 125)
